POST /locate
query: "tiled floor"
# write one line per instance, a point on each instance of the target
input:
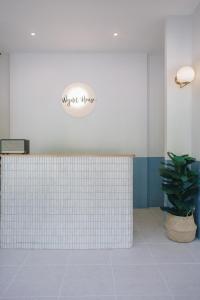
(154, 269)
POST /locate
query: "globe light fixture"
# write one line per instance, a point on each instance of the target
(185, 76)
(78, 99)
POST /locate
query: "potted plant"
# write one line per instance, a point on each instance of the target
(180, 184)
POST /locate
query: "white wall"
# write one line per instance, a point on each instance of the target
(196, 86)
(4, 96)
(178, 52)
(156, 105)
(119, 122)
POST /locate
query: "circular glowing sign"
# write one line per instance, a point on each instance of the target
(78, 99)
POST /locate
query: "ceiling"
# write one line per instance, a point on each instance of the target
(87, 25)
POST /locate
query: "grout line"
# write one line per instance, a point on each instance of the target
(16, 273)
(115, 295)
(86, 297)
(61, 284)
(29, 298)
(113, 276)
(108, 265)
(161, 275)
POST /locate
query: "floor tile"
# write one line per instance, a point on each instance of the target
(139, 254)
(194, 249)
(144, 216)
(154, 235)
(12, 257)
(182, 279)
(139, 280)
(140, 222)
(88, 298)
(171, 253)
(187, 298)
(6, 275)
(37, 281)
(157, 213)
(138, 237)
(47, 257)
(29, 298)
(89, 273)
(87, 280)
(89, 257)
(144, 298)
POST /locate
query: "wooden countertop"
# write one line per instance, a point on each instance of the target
(76, 154)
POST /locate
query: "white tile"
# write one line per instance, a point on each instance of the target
(139, 280)
(139, 254)
(87, 280)
(36, 282)
(12, 257)
(47, 257)
(6, 275)
(69, 222)
(182, 279)
(89, 257)
(171, 253)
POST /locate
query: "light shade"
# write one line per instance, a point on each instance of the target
(185, 75)
(78, 99)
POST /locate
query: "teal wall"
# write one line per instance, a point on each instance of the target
(147, 185)
(196, 167)
(146, 182)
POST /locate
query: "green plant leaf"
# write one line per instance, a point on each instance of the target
(171, 189)
(188, 193)
(167, 164)
(171, 210)
(179, 183)
(168, 173)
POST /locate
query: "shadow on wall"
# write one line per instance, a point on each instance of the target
(147, 182)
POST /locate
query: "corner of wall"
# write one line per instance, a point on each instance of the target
(4, 96)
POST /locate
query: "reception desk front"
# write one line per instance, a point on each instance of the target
(66, 201)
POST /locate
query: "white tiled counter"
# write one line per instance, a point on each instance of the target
(66, 201)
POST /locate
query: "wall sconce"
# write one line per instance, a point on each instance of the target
(185, 76)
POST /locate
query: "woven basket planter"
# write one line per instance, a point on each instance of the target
(180, 229)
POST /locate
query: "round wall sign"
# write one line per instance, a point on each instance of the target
(78, 99)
